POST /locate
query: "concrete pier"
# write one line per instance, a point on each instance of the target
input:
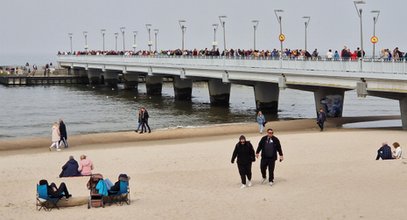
(130, 81)
(266, 95)
(94, 76)
(154, 85)
(219, 92)
(110, 78)
(182, 88)
(403, 111)
(330, 99)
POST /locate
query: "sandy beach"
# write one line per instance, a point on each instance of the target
(186, 174)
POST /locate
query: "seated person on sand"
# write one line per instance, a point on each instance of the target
(70, 168)
(116, 187)
(85, 166)
(397, 154)
(384, 152)
(54, 191)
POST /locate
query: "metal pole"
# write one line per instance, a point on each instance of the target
(223, 23)
(155, 39)
(70, 41)
(281, 42)
(148, 26)
(305, 36)
(183, 43)
(134, 41)
(115, 37)
(374, 34)
(255, 24)
(359, 11)
(122, 29)
(306, 31)
(214, 43)
(103, 38)
(85, 34)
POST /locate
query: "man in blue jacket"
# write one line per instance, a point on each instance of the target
(269, 145)
(70, 168)
(384, 152)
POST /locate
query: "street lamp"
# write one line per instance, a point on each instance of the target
(308, 18)
(134, 40)
(222, 23)
(103, 31)
(375, 18)
(148, 26)
(116, 35)
(183, 28)
(214, 43)
(359, 11)
(281, 36)
(255, 24)
(122, 30)
(85, 34)
(155, 39)
(70, 41)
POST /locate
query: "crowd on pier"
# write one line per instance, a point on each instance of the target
(344, 54)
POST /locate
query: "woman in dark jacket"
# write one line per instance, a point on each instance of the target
(70, 168)
(245, 156)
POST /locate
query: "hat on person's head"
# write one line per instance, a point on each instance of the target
(242, 137)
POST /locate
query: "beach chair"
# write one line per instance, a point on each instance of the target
(44, 201)
(95, 198)
(123, 195)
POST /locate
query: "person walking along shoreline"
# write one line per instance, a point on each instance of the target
(55, 137)
(261, 120)
(244, 152)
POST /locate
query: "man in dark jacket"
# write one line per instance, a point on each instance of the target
(245, 156)
(64, 135)
(70, 168)
(56, 192)
(144, 121)
(321, 118)
(384, 152)
(269, 145)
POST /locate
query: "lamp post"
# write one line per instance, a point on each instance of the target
(183, 28)
(122, 29)
(148, 26)
(375, 18)
(155, 39)
(214, 43)
(359, 12)
(103, 31)
(222, 23)
(85, 34)
(255, 24)
(308, 18)
(70, 41)
(134, 41)
(281, 36)
(116, 35)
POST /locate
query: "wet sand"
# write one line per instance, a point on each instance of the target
(187, 174)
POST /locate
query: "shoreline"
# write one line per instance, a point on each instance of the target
(77, 141)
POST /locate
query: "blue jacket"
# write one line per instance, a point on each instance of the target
(70, 169)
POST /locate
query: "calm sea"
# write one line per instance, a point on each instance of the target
(28, 111)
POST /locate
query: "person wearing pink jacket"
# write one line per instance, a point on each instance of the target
(85, 166)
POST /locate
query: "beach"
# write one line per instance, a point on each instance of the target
(186, 173)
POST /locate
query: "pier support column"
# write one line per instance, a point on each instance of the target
(94, 76)
(182, 88)
(110, 78)
(219, 92)
(266, 95)
(130, 81)
(403, 111)
(154, 85)
(331, 100)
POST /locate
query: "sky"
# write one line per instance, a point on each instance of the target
(34, 30)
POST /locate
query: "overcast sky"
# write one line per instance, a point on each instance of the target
(32, 28)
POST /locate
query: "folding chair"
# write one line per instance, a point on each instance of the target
(121, 196)
(44, 201)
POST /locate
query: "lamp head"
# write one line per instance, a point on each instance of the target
(255, 22)
(148, 26)
(85, 33)
(156, 31)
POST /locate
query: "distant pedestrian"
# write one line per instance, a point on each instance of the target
(62, 131)
(261, 121)
(55, 137)
(245, 157)
(139, 120)
(384, 152)
(269, 145)
(321, 118)
(398, 153)
(144, 121)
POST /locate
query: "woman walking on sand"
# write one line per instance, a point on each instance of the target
(244, 152)
(55, 137)
(261, 120)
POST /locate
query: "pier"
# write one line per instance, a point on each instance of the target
(41, 80)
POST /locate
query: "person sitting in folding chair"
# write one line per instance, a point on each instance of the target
(116, 187)
(54, 191)
(120, 191)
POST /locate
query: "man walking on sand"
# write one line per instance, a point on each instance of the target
(321, 118)
(269, 145)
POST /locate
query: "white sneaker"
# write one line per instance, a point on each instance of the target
(249, 184)
(243, 186)
(270, 183)
(58, 149)
(263, 180)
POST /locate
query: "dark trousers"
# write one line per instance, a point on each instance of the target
(270, 164)
(245, 170)
(144, 127)
(65, 141)
(321, 125)
(58, 192)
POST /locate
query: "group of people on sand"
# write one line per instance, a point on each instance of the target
(143, 121)
(58, 135)
(73, 168)
(270, 149)
(385, 152)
